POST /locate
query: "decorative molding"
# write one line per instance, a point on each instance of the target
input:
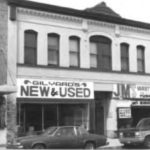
(134, 29)
(84, 24)
(101, 23)
(49, 15)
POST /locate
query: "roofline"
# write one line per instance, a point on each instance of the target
(78, 13)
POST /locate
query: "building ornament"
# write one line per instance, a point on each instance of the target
(49, 15)
(57, 16)
(134, 29)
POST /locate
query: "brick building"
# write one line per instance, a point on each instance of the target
(76, 67)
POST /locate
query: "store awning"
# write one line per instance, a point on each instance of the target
(7, 89)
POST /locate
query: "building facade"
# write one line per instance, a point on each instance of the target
(76, 67)
(3, 73)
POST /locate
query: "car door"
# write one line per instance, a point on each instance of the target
(65, 137)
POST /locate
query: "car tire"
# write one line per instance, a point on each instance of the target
(39, 146)
(147, 142)
(89, 146)
(127, 145)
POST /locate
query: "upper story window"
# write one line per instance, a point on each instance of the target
(30, 47)
(53, 49)
(74, 49)
(140, 59)
(100, 53)
(124, 57)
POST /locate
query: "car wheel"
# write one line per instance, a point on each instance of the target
(38, 146)
(127, 145)
(89, 145)
(147, 142)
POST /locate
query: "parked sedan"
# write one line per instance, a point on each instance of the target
(62, 137)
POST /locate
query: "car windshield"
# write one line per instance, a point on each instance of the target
(144, 124)
(49, 131)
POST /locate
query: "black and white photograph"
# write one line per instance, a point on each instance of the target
(75, 74)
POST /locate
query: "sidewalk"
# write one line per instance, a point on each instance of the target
(112, 143)
(2, 138)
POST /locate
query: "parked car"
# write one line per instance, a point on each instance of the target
(62, 137)
(138, 135)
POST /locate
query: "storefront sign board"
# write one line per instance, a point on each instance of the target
(39, 88)
(128, 91)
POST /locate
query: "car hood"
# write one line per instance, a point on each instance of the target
(129, 130)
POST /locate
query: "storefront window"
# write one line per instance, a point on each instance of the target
(38, 117)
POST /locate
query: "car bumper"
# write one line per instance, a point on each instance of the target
(134, 141)
(11, 146)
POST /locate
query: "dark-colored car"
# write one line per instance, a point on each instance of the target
(62, 137)
(138, 135)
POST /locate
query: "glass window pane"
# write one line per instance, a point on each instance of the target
(105, 49)
(30, 39)
(30, 56)
(74, 45)
(93, 48)
(53, 42)
(93, 61)
(140, 54)
(106, 63)
(124, 52)
(52, 58)
(140, 66)
(124, 65)
(73, 59)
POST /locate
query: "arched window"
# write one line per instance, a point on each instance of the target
(124, 51)
(53, 49)
(30, 47)
(100, 53)
(74, 51)
(140, 59)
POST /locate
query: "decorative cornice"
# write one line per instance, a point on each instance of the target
(134, 29)
(45, 14)
(57, 16)
(101, 23)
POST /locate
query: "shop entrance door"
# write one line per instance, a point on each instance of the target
(99, 118)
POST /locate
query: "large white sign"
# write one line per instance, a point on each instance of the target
(39, 88)
(128, 91)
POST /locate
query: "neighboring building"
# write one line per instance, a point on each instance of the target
(6, 84)
(76, 67)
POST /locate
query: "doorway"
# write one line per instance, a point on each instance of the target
(99, 118)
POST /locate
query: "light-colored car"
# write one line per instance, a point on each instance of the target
(59, 137)
(138, 135)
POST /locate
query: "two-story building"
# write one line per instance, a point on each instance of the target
(76, 67)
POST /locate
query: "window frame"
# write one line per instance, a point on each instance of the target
(28, 47)
(102, 40)
(124, 58)
(56, 50)
(142, 48)
(74, 52)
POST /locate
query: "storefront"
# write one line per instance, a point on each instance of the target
(45, 103)
(133, 103)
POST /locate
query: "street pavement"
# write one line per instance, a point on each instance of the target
(2, 137)
(113, 144)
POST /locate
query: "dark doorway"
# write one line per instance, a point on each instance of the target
(99, 118)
